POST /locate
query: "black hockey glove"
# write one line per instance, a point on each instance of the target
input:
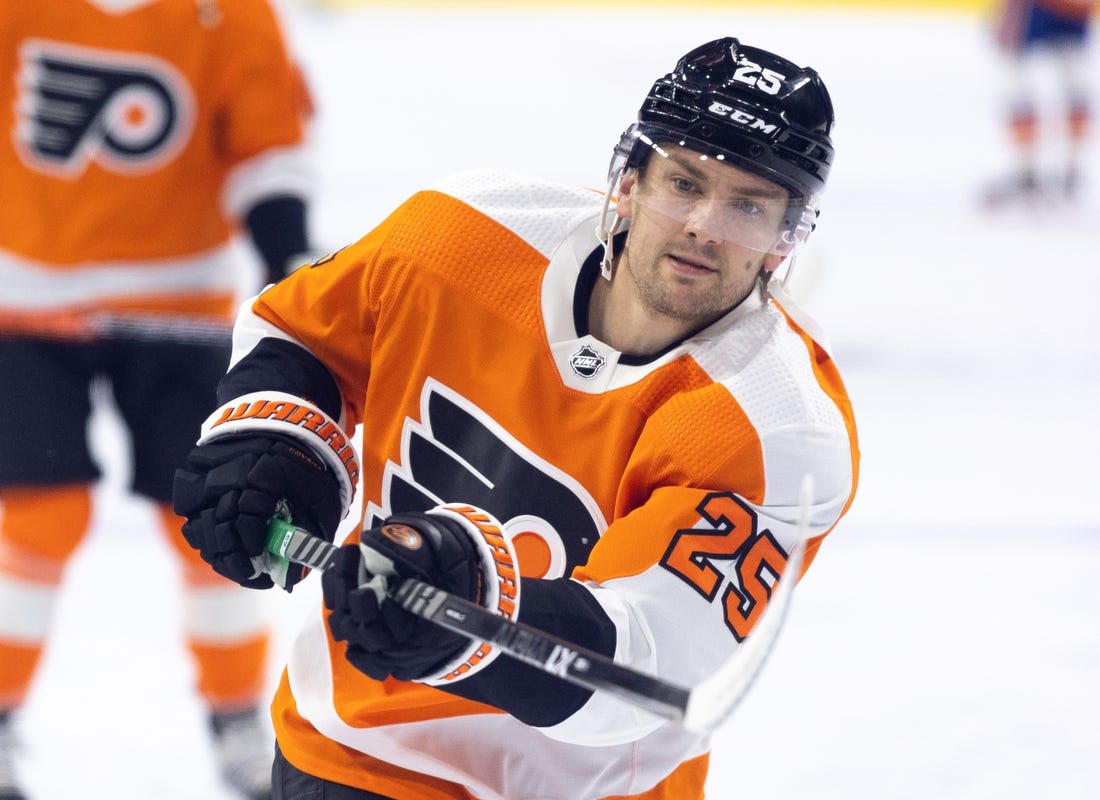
(440, 547)
(230, 488)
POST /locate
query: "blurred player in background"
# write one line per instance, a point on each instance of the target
(1030, 36)
(138, 139)
(612, 381)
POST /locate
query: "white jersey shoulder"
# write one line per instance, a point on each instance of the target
(769, 370)
(541, 212)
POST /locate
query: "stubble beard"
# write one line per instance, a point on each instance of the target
(699, 306)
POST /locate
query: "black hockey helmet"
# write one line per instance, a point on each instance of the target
(743, 105)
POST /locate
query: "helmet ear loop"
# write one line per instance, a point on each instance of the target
(624, 158)
(606, 233)
(790, 242)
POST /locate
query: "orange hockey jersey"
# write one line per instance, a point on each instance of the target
(665, 487)
(1018, 23)
(1079, 10)
(135, 133)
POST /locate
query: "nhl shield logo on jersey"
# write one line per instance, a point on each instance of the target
(587, 361)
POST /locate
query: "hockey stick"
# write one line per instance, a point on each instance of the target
(700, 709)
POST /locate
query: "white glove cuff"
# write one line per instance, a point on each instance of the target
(278, 412)
(500, 569)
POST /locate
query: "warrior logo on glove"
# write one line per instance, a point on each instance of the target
(498, 583)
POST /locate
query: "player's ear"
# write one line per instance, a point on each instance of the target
(624, 203)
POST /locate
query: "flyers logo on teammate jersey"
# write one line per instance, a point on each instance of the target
(127, 112)
(457, 453)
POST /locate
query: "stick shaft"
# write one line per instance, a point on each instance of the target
(539, 649)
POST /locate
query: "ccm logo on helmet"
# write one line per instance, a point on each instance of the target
(742, 118)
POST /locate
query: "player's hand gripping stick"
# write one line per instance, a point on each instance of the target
(699, 709)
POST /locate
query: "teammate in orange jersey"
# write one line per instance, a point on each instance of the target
(1032, 36)
(614, 383)
(139, 137)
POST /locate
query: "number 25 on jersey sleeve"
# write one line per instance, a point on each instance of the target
(691, 553)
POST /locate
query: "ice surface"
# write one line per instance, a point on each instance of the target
(945, 643)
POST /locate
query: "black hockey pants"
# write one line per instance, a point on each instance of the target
(290, 783)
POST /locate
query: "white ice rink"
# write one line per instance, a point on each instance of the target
(946, 643)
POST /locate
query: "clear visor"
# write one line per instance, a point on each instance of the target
(718, 201)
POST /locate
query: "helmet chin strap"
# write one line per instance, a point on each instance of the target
(606, 233)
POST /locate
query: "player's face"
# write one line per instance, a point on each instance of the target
(700, 232)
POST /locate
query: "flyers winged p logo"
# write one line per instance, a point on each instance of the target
(456, 453)
(127, 112)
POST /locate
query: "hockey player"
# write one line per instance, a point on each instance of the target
(138, 138)
(608, 381)
(1029, 34)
